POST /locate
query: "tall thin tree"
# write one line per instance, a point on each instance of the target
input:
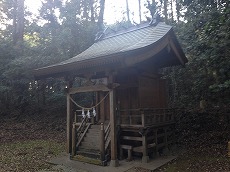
(166, 10)
(101, 15)
(139, 3)
(172, 13)
(18, 22)
(127, 10)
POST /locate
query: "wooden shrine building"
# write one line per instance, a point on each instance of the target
(129, 115)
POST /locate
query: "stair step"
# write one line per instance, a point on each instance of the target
(94, 136)
(90, 147)
(96, 144)
(89, 153)
(87, 160)
(92, 139)
(93, 130)
(92, 133)
(95, 127)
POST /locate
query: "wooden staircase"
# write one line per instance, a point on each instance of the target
(90, 146)
(89, 149)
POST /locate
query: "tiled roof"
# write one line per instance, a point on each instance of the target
(133, 39)
(108, 48)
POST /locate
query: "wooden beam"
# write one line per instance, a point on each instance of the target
(156, 48)
(132, 138)
(172, 45)
(91, 88)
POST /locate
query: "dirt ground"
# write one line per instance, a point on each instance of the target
(28, 142)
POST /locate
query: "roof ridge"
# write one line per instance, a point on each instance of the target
(102, 35)
(121, 32)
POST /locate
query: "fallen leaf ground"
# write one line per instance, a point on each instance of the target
(205, 137)
(27, 143)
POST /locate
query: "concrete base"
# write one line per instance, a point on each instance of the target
(114, 163)
(145, 159)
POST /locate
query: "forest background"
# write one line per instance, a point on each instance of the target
(62, 29)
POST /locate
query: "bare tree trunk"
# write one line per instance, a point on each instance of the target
(21, 21)
(139, 1)
(15, 5)
(101, 15)
(92, 11)
(172, 19)
(166, 10)
(18, 24)
(178, 10)
(127, 10)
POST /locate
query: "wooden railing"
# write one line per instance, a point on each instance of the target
(105, 140)
(107, 136)
(79, 133)
(146, 117)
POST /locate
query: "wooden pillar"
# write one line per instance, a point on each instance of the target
(97, 108)
(142, 118)
(102, 144)
(102, 107)
(156, 142)
(69, 115)
(145, 157)
(68, 123)
(166, 149)
(114, 160)
(73, 140)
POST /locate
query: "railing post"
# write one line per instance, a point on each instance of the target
(75, 117)
(93, 120)
(74, 140)
(145, 157)
(102, 145)
(142, 118)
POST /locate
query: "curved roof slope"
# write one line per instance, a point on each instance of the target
(130, 40)
(118, 43)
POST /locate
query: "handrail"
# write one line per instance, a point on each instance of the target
(81, 131)
(83, 122)
(83, 135)
(105, 140)
(107, 134)
(107, 128)
(146, 116)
